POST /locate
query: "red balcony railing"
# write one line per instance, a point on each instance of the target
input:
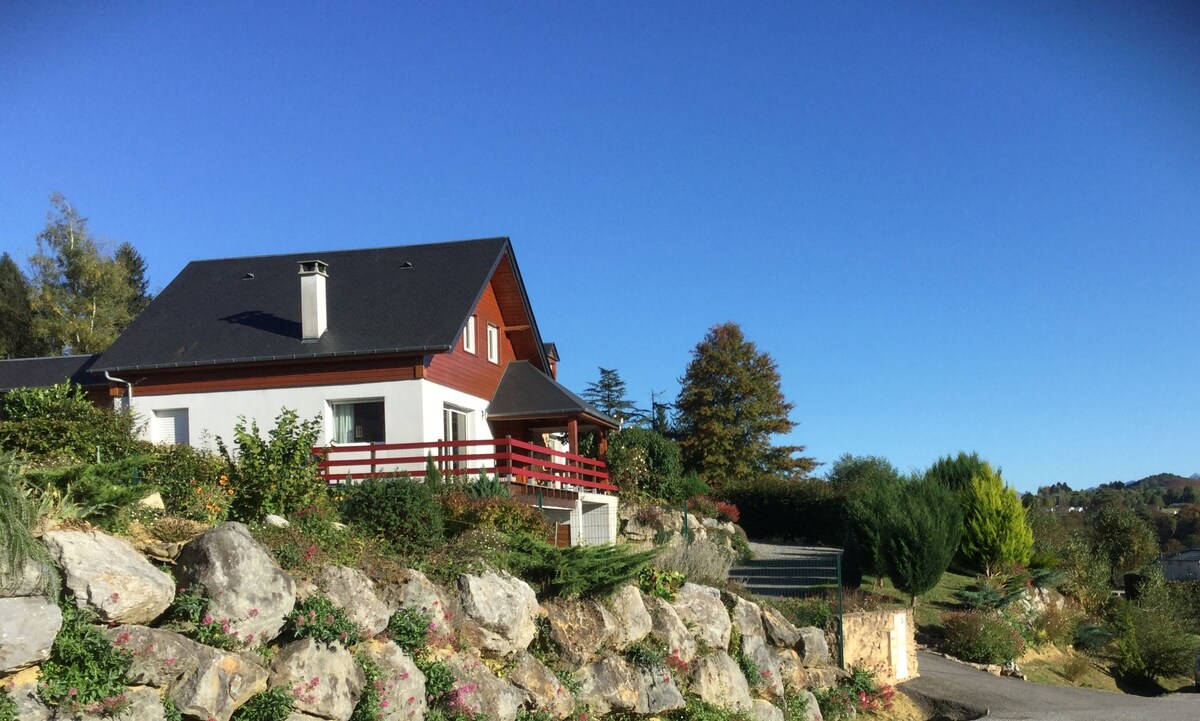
(506, 458)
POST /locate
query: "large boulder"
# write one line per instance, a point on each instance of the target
(481, 693)
(107, 574)
(402, 687)
(417, 592)
(542, 688)
(657, 692)
(668, 629)
(30, 706)
(204, 682)
(700, 608)
(780, 631)
(610, 684)
(324, 678)
(633, 621)
(717, 679)
(502, 609)
(355, 594)
(813, 648)
(583, 629)
(28, 626)
(791, 669)
(765, 711)
(240, 578)
(747, 616)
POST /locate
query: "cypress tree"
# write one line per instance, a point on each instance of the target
(17, 339)
(996, 530)
(921, 531)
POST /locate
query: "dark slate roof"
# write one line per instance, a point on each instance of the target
(526, 392)
(40, 372)
(551, 350)
(406, 300)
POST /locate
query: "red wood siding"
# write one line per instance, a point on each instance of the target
(471, 373)
(256, 376)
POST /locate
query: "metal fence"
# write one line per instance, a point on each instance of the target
(799, 572)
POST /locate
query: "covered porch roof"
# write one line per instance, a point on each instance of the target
(525, 393)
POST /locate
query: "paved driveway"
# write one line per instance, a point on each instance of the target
(957, 692)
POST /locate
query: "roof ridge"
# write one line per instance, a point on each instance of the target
(504, 238)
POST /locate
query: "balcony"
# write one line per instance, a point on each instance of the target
(526, 465)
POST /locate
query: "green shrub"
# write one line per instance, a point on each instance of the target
(1086, 576)
(103, 489)
(1151, 639)
(85, 672)
(60, 421)
(505, 514)
(858, 692)
(575, 571)
(1076, 668)
(276, 474)
(802, 612)
(312, 541)
(485, 486)
(371, 704)
(642, 459)
(189, 615)
(993, 593)
(274, 704)
(660, 583)
(409, 629)
(402, 511)
(646, 654)
(981, 637)
(8, 707)
(317, 617)
(193, 482)
(697, 710)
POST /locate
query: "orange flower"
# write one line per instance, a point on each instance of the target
(230, 491)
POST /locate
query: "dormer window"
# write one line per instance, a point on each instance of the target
(469, 335)
(493, 341)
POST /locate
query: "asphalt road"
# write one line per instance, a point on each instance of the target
(956, 692)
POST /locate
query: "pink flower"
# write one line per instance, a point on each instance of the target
(171, 661)
(207, 620)
(72, 692)
(253, 612)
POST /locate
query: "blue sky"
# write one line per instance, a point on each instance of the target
(956, 226)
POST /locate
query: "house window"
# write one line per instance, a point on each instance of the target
(358, 422)
(469, 336)
(493, 344)
(170, 427)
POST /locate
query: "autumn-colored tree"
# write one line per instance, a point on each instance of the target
(729, 408)
(996, 531)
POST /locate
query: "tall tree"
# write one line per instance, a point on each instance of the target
(608, 395)
(81, 298)
(996, 531)
(729, 407)
(17, 339)
(1123, 540)
(920, 534)
(956, 472)
(135, 270)
(869, 485)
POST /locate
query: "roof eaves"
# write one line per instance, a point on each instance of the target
(292, 356)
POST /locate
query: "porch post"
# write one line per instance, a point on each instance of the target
(573, 437)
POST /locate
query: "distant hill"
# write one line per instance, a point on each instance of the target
(1166, 480)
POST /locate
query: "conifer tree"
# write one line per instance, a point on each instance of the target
(608, 396)
(17, 339)
(729, 408)
(135, 270)
(956, 472)
(996, 530)
(870, 485)
(921, 531)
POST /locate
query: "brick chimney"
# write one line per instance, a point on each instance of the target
(313, 315)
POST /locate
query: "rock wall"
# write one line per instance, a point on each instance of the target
(506, 650)
(882, 641)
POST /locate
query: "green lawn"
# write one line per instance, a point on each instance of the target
(931, 606)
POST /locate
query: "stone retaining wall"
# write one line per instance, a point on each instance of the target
(883, 641)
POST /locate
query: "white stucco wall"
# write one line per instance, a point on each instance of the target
(412, 409)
